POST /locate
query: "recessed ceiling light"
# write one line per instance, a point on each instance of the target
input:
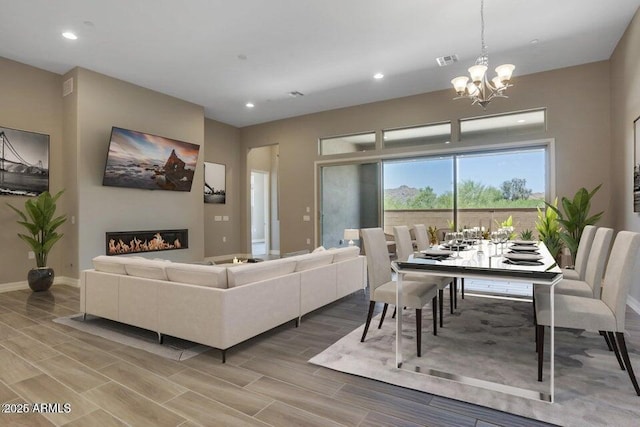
(447, 142)
(378, 76)
(69, 35)
(521, 121)
(249, 105)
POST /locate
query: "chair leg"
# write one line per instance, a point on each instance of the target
(455, 293)
(441, 300)
(384, 312)
(612, 340)
(394, 312)
(419, 331)
(540, 345)
(434, 307)
(451, 291)
(627, 362)
(372, 305)
(462, 286)
(606, 339)
(533, 304)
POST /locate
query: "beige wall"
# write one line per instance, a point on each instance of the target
(32, 101)
(577, 102)
(222, 145)
(104, 102)
(625, 108)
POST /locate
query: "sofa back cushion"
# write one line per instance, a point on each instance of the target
(149, 269)
(193, 274)
(313, 260)
(341, 254)
(110, 264)
(249, 273)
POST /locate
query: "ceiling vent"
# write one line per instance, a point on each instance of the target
(447, 60)
(295, 94)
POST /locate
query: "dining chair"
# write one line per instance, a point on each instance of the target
(606, 313)
(580, 263)
(590, 285)
(422, 237)
(404, 249)
(382, 287)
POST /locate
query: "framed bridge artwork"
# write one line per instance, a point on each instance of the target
(636, 165)
(24, 162)
(215, 184)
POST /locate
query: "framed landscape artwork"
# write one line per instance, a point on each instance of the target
(24, 162)
(636, 165)
(215, 183)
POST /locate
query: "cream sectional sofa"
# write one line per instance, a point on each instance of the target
(219, 306)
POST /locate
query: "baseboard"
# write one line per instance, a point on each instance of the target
(18, 286)
(274, 252)
(633, 303)
(69, 281)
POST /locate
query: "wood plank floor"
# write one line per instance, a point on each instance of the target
(266, 380)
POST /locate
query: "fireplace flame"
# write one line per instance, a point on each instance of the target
(137, 245)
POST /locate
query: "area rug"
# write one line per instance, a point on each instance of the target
(143, 339)
(493, 340)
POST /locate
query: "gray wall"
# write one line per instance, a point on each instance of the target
(625, 108)
(104, 102)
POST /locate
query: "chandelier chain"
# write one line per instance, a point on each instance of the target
(484, 58)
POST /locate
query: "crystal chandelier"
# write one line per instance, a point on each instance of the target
(480, 90)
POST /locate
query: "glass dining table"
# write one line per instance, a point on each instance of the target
(517, 262)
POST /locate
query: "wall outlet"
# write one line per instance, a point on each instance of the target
(73, 219)
(31, 255)
(308, 209)
(224, 239)
(225, 218)
(308, 241)
(306, 218)
(217, 218)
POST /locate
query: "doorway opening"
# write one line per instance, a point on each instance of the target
(264, 224)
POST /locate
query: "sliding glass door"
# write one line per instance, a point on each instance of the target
(497, 185)
(419, 191)
(349, 198)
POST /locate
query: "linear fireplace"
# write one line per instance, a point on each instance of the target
(129, 242)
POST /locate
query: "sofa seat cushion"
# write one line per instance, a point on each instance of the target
(249, 273)
(110, 264)
(193, 274)
(313, 260)
(147, 268)
(341, 254)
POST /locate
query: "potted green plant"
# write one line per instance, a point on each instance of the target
(575, 216)
(548, 228)
(39, 220)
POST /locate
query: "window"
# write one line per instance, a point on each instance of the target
(348, 144)
(437, 133)
(504, 125)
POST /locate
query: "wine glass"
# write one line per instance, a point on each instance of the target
(504, 238)
(495, 239)
(459, 236)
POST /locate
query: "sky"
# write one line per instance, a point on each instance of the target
(489, 169)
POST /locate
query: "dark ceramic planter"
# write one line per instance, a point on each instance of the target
(40, 279)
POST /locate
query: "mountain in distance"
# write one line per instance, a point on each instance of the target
(402, 194)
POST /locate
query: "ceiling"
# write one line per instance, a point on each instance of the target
(222, 54)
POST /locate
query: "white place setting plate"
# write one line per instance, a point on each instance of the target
(523, 248)
(523, 257)
(436, 252)
(525, 242)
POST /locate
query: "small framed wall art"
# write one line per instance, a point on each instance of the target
(636, 165)
(215, 183)
(24, 162)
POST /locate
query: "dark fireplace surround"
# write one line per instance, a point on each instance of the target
(132, 242)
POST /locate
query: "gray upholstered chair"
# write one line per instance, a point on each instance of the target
(597, 314)
(590, 285)
(382, 288)
(404, 249)
(422, 237)
(580, 263)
